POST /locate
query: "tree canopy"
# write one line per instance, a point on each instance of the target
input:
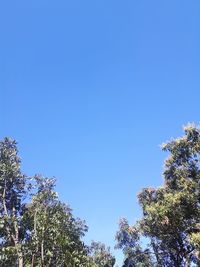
(36, 228)
(171, 213)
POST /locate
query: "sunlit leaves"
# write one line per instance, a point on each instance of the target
(36, 228)
(171, 213)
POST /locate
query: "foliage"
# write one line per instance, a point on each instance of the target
(171, 213)
(55, 233)
(36, 228)
(12, 194)
(128, 239)
(101, 256)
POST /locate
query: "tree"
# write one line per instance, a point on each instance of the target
(171, 213)
(55, 235)
(36, 228)
(100, 255)
(128, 239)
(12, 195)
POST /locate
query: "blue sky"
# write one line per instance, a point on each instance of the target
(91, 88)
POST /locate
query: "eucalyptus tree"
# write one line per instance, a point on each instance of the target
(55, 234)
(171, 213)
(101, 255)
(12, 195)
(128, 239)
(36, 228)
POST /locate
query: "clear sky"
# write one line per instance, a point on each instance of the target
(90, 88)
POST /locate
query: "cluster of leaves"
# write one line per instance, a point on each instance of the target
(36, 228)
(171, 213)
(100, 255)
(128, 239)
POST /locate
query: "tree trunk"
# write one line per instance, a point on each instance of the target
(20, 259)
(42, 254)
(33, 259)
(198, 255)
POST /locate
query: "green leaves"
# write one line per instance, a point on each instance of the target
(36, 228)
(55, 235)
(100, 255)
(171, 213)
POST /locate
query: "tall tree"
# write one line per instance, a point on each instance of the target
(171, 213)
(12, 195)
(55, 234)
(36, 228)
